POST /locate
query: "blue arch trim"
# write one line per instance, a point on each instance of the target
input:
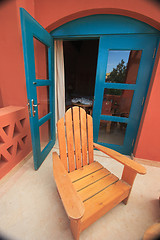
(103, 24)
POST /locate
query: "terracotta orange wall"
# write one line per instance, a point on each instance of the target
(131, 76)
(52, 14)
(12, 76)
(148, 142)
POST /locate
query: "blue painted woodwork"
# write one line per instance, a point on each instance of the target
(120, 86)
(31, 28)
(116, 33)
(103, 24)
(114, 119)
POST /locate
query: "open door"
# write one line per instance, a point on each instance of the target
(39, 70)
(123, 74)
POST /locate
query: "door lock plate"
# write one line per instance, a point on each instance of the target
(33, 107)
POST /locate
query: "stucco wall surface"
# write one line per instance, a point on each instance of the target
(12, 75)
(148, 143)
(52, 14)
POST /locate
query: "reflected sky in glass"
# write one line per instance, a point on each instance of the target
(115, 57)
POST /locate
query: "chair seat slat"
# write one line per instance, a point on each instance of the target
(103, 202)
(91, 179)
(97, 187)
(85, 171)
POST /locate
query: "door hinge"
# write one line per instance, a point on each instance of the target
(154, 53)
(132, 142)
(29, 108)
(142, 101)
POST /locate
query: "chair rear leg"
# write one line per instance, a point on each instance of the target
(128, 176)
(75, 228)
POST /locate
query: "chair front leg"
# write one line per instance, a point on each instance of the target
(128, 176)
(75, 228)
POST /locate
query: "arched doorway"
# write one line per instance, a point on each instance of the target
(126, 52)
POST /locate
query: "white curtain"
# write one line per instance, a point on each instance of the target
(59, 80)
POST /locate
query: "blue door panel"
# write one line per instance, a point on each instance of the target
(132, 42)
(32, 29)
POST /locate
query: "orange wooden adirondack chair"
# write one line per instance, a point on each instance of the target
(86, 188)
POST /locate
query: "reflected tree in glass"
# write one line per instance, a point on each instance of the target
(118, 74)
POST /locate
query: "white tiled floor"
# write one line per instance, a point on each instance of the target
(30, 208)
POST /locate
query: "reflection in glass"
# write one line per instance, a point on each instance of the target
(45, 136)
(43, 100)
(41, 59)
(123, 66)
(112, 132)
(117, 102)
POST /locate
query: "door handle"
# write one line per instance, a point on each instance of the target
(36, 105)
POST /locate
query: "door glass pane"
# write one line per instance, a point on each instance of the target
(43, 101)
(117, 102)
(112, 132)
(41, 59)
(122, 66)
(45, 136)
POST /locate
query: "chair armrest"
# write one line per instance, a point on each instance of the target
(121, 158)
(72, 203)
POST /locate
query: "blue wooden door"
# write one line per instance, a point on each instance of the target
(122, 79)
(39, 68)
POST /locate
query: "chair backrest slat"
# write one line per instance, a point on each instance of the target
(83, 136)
(77, 140)
(90, 138)
(62, 142)
(70, 142)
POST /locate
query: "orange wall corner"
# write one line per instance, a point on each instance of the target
(148, 144)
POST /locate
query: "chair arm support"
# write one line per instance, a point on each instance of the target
(72, 203)
(121, 158)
